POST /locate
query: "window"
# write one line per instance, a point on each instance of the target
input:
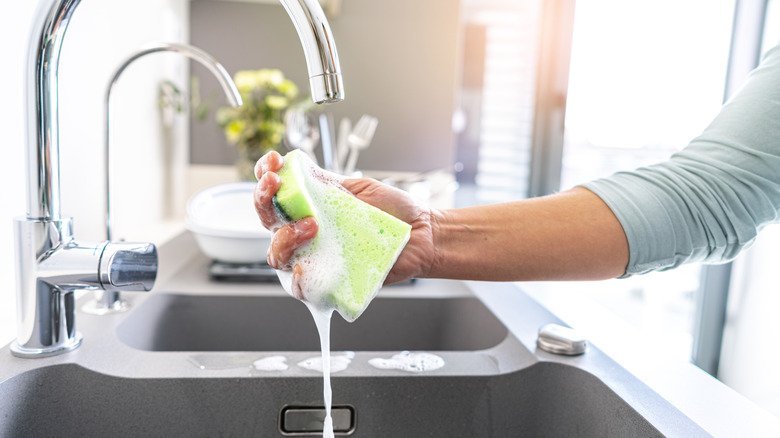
(500, 101)
(645, 79)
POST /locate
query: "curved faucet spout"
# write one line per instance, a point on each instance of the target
(192, 52)
(322, 59)
(109, 300)
(43, 143)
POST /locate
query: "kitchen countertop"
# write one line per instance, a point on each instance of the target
(717, 408)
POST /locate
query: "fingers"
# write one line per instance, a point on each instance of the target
(288, 239)
(297, 274)
(267, 186)
(285, 242)
(270, 162)
(265, 190)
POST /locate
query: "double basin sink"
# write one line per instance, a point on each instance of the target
(184, 363)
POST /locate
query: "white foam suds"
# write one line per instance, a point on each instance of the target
(338, 362)
(271, 363)
(411, 362)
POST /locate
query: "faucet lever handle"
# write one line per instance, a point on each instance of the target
(128, 266)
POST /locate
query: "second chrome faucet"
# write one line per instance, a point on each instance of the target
(109, 301)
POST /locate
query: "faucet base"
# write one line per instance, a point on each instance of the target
(106, 303)
(30, 353)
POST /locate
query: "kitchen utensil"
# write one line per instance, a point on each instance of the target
(359, 139)
(328, 152)
(342, 148)
(300, 132)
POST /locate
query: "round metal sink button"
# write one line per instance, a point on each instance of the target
(557, 339)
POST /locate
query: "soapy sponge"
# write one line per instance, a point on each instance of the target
(355, 247)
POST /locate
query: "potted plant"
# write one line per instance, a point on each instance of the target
(257, 126)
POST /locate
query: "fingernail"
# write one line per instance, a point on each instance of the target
(258, 169)
(303, 226)
(271, 259)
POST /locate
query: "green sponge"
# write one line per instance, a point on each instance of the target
(355, 247)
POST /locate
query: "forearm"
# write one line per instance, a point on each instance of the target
(567, 236)
(710, 200)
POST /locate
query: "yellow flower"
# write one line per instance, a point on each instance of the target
(270, 77)
(233, 130)
(289, 89)
(276, 102)
(246, 80)
(256, 126)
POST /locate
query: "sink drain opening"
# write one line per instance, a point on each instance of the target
(308, 420)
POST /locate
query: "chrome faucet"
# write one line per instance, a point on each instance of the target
(319, 49)
(50, 263)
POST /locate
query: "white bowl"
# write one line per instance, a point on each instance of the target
(225, 225)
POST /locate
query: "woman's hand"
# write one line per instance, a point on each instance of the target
(415, 260)
(417, 257)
